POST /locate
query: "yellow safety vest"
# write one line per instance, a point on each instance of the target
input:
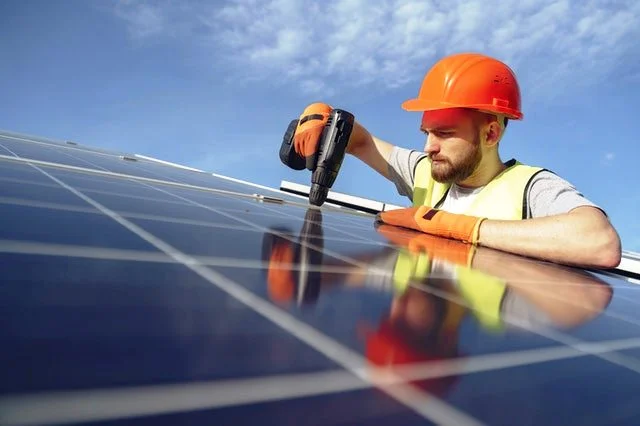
(505, 197)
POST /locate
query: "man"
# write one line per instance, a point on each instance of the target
(460, 188)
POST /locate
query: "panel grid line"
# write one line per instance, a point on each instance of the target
(100, 191)
(420, 402)
(49, 145)
(621, 360)
(618, 359)
(260, 206)
(173, 202)
(348, 259)
(209, 224)
(138, 179)
(127, 177)
(107, 253)
(133, 165)
(111, 403)
(170, 219)
(261, 228)
(144, 216)
(91, 252)
(407, 395)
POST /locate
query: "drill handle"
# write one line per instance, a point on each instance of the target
(333, 147)
(288, 154)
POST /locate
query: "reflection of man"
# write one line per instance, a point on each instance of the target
(436, 283)
(435, 289)
(500, 290)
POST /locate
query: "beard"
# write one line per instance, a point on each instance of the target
(445, 171)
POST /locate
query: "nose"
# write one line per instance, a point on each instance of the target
(431, 146)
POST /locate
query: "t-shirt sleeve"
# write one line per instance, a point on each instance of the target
(402, 163)
(549, 194)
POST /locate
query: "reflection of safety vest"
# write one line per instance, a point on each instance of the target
(505, 197)
(482, 293)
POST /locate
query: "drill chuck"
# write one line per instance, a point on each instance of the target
(318, 194)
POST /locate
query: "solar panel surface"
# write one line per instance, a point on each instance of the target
(139, 293)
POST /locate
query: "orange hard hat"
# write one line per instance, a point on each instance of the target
(469, 80)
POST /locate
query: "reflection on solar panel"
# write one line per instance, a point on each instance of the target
(137, 292)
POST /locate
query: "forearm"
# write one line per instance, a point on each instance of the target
(369, 149)
(513, 268)
(567, 295)
(579, 238)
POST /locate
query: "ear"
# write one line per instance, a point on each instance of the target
(493, 133)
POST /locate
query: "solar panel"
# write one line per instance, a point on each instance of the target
(136, 292)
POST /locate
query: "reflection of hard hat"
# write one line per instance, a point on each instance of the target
(388, 348)
(391, 346)
(469, 80)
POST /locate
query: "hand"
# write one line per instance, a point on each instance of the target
(310, 126)
(435, 222)
(435, 247)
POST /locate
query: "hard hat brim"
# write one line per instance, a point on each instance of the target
(417, 104)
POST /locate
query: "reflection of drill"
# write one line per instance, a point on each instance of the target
(326, 161)
(293, 267)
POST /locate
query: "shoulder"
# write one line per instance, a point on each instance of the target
(406, 160)
(550, 194)
(401, 168)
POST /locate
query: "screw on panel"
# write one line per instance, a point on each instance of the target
(266, 198)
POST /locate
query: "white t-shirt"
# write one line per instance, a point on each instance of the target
(548, 194)
(459, 199)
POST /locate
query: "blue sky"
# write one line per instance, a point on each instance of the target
(213, 85)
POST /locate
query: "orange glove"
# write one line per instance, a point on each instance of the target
(435, 222)
(436, 247)
(310, 126)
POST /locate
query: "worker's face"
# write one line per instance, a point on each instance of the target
(413, 312)
(453, 143)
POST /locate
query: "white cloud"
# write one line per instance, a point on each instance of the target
(144, 20)
(608, 158)
(552, 44)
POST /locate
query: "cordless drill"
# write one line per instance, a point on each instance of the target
(326, 161)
